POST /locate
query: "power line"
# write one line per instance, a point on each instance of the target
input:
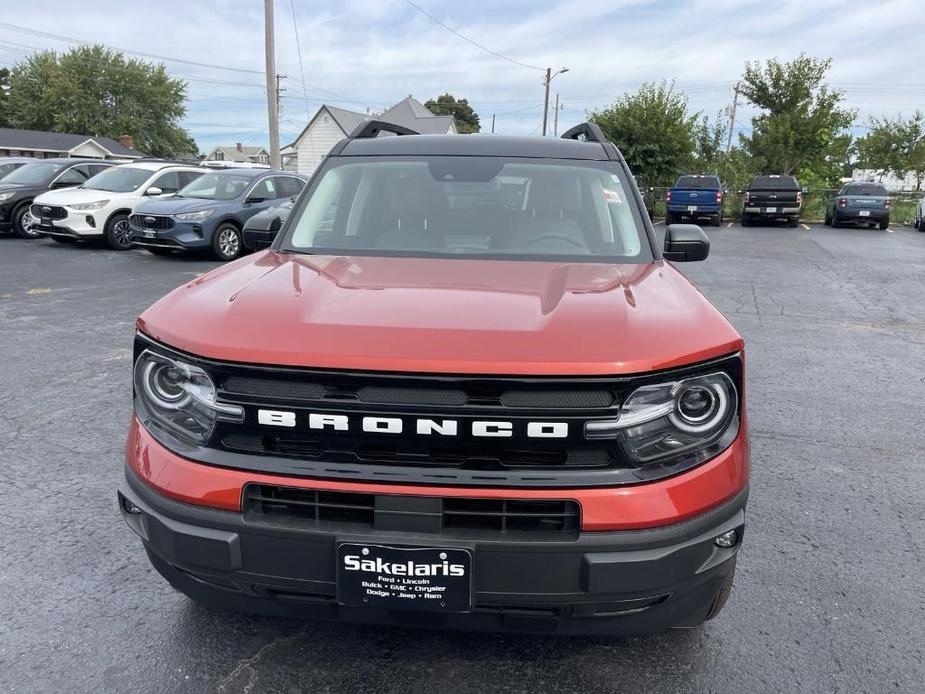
(468, 40)
(71, 39)
(298, 47)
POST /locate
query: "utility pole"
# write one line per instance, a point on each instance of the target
(272, 84)
(546, 80)
(546, 98)
(279, 92)
(732, 116)
(492, 123)
(555, 120)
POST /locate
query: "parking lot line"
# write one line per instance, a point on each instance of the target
(729, 225)
(889, 231)
(805, 226)
(661, 221)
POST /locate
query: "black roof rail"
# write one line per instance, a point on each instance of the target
(374, 127)
(587, 132)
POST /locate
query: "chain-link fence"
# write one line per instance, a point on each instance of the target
(903, 204)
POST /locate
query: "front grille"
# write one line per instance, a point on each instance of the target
(150, 221)
(451, 516)
(478, 395)
(48, 212)
(407, 453)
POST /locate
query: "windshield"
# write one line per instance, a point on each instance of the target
(34, 174)
(7, 168)
(865, 189)
(488, 207)
(220, 186)
(119, 180)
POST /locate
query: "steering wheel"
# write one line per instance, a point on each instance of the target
(552, 235)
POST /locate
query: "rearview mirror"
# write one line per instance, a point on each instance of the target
(685, 243)
(154, 190)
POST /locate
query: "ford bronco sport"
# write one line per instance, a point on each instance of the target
(461, 388)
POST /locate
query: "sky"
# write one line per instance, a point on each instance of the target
(367, 54)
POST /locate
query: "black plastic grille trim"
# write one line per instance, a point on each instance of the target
(450, 515)
(462, 457)
(160, 221)
(55, 212)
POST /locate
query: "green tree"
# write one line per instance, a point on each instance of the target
(895, 146)
(653, 130)
(4, 97)
(467, 120)
(801, 127)
(709, 143)
(92, 90)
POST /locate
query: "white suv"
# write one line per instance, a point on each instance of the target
(99, 208)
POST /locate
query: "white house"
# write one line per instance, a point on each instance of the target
(239, 154)
(44, 145)
(889, 181)
(331, 124)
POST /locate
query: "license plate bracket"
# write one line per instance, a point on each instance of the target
(430, 579)
(770, 210)
(864, 213)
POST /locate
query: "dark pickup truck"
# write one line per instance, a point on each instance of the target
(859, 203)
(771, 198)
(695, 197)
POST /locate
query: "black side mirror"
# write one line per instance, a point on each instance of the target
(255, 239)
(686, 243)
(254, 199)
(261, 230)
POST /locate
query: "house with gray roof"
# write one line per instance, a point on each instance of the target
(331, 124)
(44, 145)
(239, 154)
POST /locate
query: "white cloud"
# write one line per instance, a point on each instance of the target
(370, 53)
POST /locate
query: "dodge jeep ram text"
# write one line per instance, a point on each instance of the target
(460, 387)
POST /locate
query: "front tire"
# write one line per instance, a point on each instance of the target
(118, 233)
(227, 243)
(22, 223)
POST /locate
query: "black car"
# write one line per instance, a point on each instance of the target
(773, 197)
(19, 188)
(9, 164)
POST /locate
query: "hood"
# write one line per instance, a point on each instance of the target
(76, 196)
(443, 316)
(19, 187)
(174, 205)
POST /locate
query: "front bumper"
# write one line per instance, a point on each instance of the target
(625, 582)
(183, 235)
(651, 576)
(78, 225)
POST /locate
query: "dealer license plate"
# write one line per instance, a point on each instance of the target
(149, 233)
(864, 213)
(692, 208)
(404, 578)
(770, 209)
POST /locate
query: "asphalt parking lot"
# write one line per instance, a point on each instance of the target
(829, 591)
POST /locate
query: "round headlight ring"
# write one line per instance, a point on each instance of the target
(711, 418)
(163, 382)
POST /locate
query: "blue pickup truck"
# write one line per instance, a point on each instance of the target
(695, 197)
(859, 203)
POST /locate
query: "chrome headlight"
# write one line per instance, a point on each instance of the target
(178, 398)
(85, 206)
(688, 417)
(195, 216)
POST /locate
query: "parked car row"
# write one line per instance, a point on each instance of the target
(163, 206)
